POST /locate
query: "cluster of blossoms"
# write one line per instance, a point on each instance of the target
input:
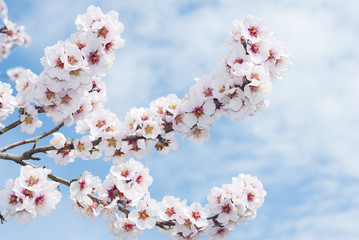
(70, 90)
(29, 195)
(126, 184)
(10, 34)
(239, 88)
(126, 189)
(234, 203)
(70, 85)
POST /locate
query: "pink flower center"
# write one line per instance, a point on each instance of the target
(80, 45)
(94, 57)
(59, 63)
(72, 60)
(113, 192)
(102, 32)
(170, 211)
(196, 215)
(139, 179)
(250, 197)
(125, 173)
(208, 92)
(100, 123)
(226, 209)
(128, 227)
(28, 193)
(109, 46)
(143, 215)
(254, 88)
(118, 153)
(66, 99)
(82, 185)
(32, 181)
(254, 48)
(253, 31)
(40, 200)
(13, 200)
(198, 111)
(49, 94)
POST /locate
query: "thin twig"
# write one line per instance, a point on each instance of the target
(2, 219)
(32, 140)
(10, 126)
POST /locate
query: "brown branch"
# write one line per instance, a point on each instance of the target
(10, 126)
(165, 224)
(32, 140)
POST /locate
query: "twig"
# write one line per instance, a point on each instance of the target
(2, 219)
(32, 140)
(10, 126)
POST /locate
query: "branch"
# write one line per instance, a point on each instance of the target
(10, 126)
(31, 140)
(2, 218)
(17, 159)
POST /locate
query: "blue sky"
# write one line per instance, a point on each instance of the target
(303, 147)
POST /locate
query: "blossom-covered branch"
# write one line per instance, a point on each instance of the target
(70, 91)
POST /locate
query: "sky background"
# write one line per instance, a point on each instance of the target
(304, 147)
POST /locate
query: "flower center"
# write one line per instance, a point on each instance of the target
(32, 181)
(59, 63)
(253, 31)
(143, 215)
(102, 32)
(128, 227)
(170, 211)
(94, 57)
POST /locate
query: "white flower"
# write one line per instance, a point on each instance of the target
(197, 135)
(15, 73)
(217, 233)
(151, 129)
(143, 215)
(171, 208)
(124, 228)
(29, 120)
(258, 51)
(25, 85)
(3, 9)
(82, 147)
(198, 111)
(62, 157)
(226, 211)
(238, 60)
(97, 59)
(86, 184)
(7, 101)
(198, 215)
(166, 143)
(254, 29)
(58, 140)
